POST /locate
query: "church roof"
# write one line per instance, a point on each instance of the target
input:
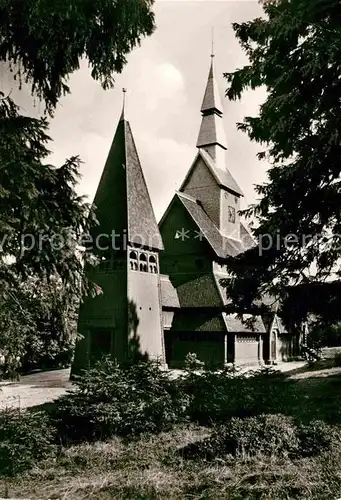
(235, 324)
(208, 322)
(122, 199)
(211, 99)
(198, 321)
(223, 177)
(169, 296)
(199, 291)
(212, 127)
(246, 237)
(266, 300)
(223, 246)
(211, 131)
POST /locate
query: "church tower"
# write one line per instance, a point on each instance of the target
(126, 318)
(201, 229)
(209, 180)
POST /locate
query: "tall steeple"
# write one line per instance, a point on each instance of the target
(125, 320)
(209, 180)
(212, 135)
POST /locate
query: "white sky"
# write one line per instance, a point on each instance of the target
(165, 80)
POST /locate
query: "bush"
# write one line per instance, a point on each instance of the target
(315, 437)
(24, 438)
(47, 353)
(265, 434)
(126, 400)
(192, 363)
(272, 435)
(217, 396)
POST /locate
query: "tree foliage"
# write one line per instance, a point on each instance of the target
(44, 40)
(42, 219)
(294, 51)
(45, 314)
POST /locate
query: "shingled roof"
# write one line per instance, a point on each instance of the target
(223, 246)
(235, 324)
(211, 100)
(198, 321)
(199, 291)
(212, 128)
(223, 178)
(122, 199)
(265, 302)
(169, 296)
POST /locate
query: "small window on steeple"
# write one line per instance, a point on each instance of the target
(231, 214)
(152, 264)
(143, 263)
(133, 261)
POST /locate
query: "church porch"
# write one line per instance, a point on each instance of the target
(216, 339)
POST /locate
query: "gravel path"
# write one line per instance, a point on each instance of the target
(35, 389)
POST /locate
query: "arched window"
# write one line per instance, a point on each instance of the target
(133, 261)
(143, 263)
(152, 264)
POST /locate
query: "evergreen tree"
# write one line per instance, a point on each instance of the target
(294, 51)
(42, 218)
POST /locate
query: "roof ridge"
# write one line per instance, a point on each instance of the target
(188, 196)
(128, 136)
(212, 166)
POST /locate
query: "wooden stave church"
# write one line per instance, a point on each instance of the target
(161, 284)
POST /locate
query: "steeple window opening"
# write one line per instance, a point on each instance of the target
(133, 261)
(153, 264)
(143, 263)
(231, 214)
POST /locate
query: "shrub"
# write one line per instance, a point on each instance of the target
(192, 363)
(265, 434)
(126, 400)
(272, 435)
(24, 438)
(315, 437)
(217, 396)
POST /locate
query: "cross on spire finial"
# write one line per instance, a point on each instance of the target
(124, 90)
(212, 40)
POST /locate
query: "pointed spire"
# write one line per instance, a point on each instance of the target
(212, 135)
(122, 199)
(124, 102)
(211, 101)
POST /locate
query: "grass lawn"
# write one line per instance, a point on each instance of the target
(152, 467)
